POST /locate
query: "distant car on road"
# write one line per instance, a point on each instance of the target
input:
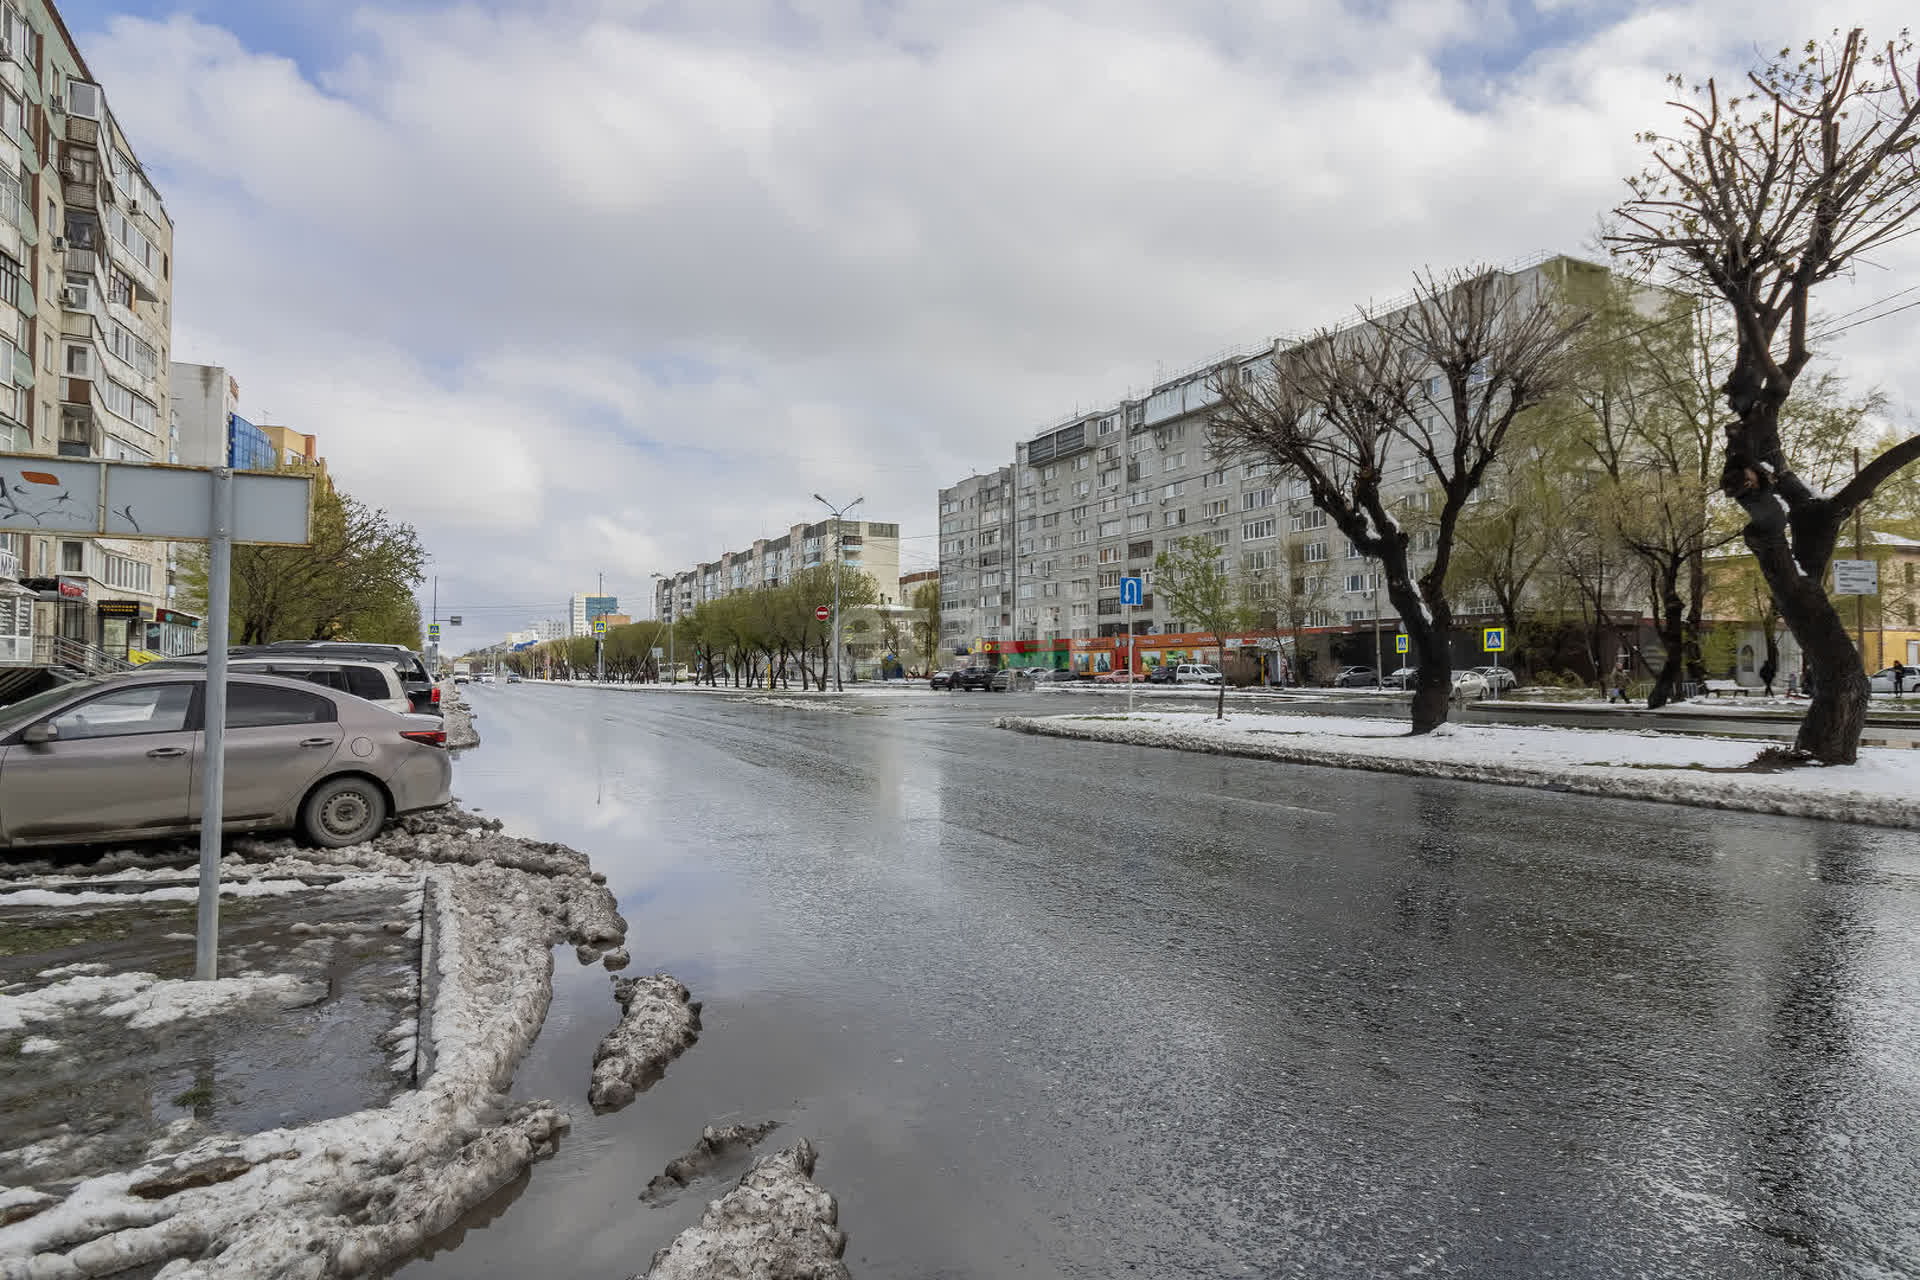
(1469, 684)
(119, 758)
(1058, 675)
(1355, 678)
(1198, 673)
(1501, 678)
(513, 677)
(970, 677)
(1162, 674)
(1400, 678)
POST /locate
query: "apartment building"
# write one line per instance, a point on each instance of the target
(298, 451)
(85, 323)
(871, 546)
(207, 429)
(1094, 499)
(582, 609)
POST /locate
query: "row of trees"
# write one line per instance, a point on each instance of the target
(1595, 427)
(770, 636)
(354, 582)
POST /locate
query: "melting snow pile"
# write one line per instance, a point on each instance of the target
(346, 1195)
(715, 1145)
(778, 1224)
(1882, 789)
(657, 1023)
(459, 719)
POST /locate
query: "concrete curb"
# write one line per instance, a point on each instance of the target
(1679, 787)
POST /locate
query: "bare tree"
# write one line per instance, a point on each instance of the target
(1758, 199)
(1437, 385)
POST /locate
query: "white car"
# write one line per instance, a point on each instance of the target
(1401, 677)
(1469, 684)
(377, 682)
(1501, 678)
(1197, 673)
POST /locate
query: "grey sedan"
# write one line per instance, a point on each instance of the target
(120, 757)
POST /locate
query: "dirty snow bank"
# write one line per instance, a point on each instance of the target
(658, 1021)
(346, 1195)
(458, 714)
(1883, 789)
(778, 1224)
(146, 1000)
(714, 1146)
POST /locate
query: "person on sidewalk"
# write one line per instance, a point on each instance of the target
(1619, 685)
(1766, 676)
(1899, 677)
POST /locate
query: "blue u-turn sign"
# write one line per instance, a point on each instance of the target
(1130, 592)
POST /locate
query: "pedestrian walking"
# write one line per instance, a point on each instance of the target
(1619, 685)
(1899, 677)
(1766, 676)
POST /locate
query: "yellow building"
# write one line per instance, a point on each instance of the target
(298, 450)
(1886, 625)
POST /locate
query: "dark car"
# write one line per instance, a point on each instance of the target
(1058, 675)
(422, 690)
(974, 677)
(1162, 674)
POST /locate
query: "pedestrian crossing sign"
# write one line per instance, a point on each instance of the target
(1400, 643)
(1494, 639)
(599, 626)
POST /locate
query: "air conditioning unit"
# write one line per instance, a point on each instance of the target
(70, 297)
(59, 244)
(6, 51)
(133, 204)
(55, 102)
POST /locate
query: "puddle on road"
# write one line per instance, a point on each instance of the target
(259, 1066)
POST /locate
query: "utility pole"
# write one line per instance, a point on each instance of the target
(839, 514)
(1377, 678)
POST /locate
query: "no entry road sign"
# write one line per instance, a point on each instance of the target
(822, 612)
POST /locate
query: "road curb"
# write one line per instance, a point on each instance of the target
(1681, 788)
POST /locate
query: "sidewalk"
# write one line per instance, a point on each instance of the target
(1883, 789)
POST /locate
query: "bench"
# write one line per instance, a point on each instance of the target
(1717, 687)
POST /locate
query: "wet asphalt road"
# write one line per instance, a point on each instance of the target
(1055, 1008)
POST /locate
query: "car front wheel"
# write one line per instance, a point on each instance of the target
(343, 811)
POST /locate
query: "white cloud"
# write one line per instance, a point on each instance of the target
(594, 286)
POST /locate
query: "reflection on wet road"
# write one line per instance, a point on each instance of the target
(1055, 1008)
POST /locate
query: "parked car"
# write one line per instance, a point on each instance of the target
(1881, 681)
(422, 690)
(1059, 675)
(1198, 673)
(1355, 678)
(119, 757)
(1162, 674)
(377, 682)
(970, 677)
(1469, 684)
(1501, 678)
(1400, 678)
(1115, 677)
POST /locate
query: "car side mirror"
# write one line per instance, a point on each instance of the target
(37, 734)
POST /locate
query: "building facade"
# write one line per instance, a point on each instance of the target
(1032, 555)
(582, 609)
(871, 546)
(85, 326)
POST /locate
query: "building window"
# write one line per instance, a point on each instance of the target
(1140, 523)
(9, 281)
(1254, 530)
(1173, 519)
(73, 557)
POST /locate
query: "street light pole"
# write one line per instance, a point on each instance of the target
(1377, 679)
(839, 514)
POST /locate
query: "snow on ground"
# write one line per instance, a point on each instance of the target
(145, 1000)
(777, 1223)
(458, 714)
(345, 1196)
(255, 887)
(1882, 789)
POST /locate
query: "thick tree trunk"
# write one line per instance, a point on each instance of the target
(1671, 620)
(1837, 710)
(1696, 614)
(1427, 629)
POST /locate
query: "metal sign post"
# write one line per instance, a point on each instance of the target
(92, 497)
(1132, 592)
(1494, 641)
(206, 935)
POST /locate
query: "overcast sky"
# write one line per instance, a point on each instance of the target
(584, 286)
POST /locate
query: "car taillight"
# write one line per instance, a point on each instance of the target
(436, 693)
(426, 737)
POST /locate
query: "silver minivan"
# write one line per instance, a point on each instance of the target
(1197, 673)
(119, 758)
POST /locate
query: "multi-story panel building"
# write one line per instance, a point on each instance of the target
(976, 560)
(871, 546)
(1096, 498)
(582, 609)
(85, 321)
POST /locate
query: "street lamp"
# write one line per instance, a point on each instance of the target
(839, 514)
(1378, 680)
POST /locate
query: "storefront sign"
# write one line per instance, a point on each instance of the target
(177, 618)
(119, 608)
(73, 588)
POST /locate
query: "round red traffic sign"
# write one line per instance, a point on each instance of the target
(822, 613)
